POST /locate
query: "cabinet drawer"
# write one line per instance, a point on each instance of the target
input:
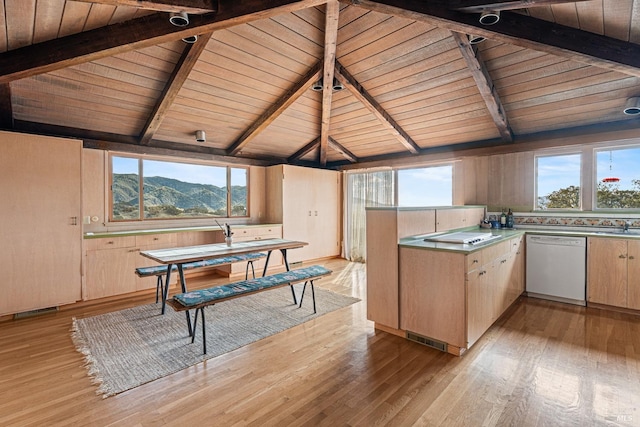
(156, 239)
(516, 244)
(474, 260)
(110, 243)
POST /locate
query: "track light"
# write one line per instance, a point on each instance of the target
(489, 17)
(201, 136)
(475, 39)
(190, 39)
(179, 19)
(317, 86)
(337, 85)
(632, 107)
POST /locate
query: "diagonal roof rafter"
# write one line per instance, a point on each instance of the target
(188, 6)
(299, 88)
(519, 30)
(485, 85)
(132, 35)
(183, 68)
(375, 108)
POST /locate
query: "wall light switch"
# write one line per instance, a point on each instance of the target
(86, 220)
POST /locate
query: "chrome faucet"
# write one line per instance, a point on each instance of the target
(625, 227)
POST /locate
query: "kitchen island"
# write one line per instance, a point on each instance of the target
(451, 293)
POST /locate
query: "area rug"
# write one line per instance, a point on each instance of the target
(131, 347)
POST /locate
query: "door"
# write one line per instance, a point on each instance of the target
(633, 274)
(40, 231)
(607, 271)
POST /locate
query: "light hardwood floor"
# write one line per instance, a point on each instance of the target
(543, 363)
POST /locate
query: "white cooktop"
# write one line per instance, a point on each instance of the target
(463, 237)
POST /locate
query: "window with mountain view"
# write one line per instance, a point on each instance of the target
(175, 190)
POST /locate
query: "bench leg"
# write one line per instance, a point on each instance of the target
(204, 333)
(313, 295)
(195, 322)
(246, 271)
(159, 286)
(183, 284)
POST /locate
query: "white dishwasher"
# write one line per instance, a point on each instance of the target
(556, 268)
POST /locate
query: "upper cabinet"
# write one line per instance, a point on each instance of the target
(458, 217)
(307, 203)
(41, 222)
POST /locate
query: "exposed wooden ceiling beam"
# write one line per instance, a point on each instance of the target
(343, 151)
(189, 6)
(129, 144)
(330, 45)
(187, 61)
(6, 107)
(478, 6)
(300, 87)
(519, 30)
(134, 34)
(304, 150)
(374, 107)
(485, 85)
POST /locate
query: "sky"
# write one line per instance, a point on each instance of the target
(621, 163)
(559, 171)
(198, 174)
(432, 186)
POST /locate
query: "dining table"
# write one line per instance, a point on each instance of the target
(178, 256)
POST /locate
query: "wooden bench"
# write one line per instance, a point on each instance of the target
(199, 299)
(160, 271)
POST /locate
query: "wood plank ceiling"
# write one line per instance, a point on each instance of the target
(117, 74)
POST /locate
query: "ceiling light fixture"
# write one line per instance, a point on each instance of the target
(632, 107)
(489, 17)
(201, 136)
(190, 39)
(179, 19)
(475, 39)
(337, 85)
(317, 86)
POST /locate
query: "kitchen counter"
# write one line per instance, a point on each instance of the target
(171, 230)
(418, 242)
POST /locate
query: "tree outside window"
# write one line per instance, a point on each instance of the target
(618, 178)
(558, 182)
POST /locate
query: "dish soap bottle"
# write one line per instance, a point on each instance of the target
(510, 219)
(503, 219)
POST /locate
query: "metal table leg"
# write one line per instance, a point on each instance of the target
(286, 264)
(183, 285)
(165, 290)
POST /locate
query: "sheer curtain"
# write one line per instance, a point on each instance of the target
(362, 189)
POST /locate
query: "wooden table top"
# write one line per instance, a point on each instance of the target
(218, 250)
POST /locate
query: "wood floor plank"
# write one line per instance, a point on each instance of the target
(542, 363)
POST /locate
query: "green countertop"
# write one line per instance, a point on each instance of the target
(215, 227)
(418, 242)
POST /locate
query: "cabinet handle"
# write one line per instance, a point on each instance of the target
(503, 261)
(111, 242)
(631, 257)
(475, 261)
(156, 238)
(482, 273)
(622, 256)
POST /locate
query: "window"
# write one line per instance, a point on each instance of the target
(558, 182)
(175, 190)
(429, 186)
(617, 178)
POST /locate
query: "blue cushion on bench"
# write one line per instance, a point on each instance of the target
(194, 298)
(162, 269)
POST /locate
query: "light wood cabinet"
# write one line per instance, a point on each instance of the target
(458, 217)
(613, 272)
(385, 227)
(455, 297)
(110, 263)
(306, 202)
(40, 230)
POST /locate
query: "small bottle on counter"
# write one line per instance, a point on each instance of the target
(503, 220)
(510, 219)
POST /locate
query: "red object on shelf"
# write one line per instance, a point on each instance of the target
(611, 179)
